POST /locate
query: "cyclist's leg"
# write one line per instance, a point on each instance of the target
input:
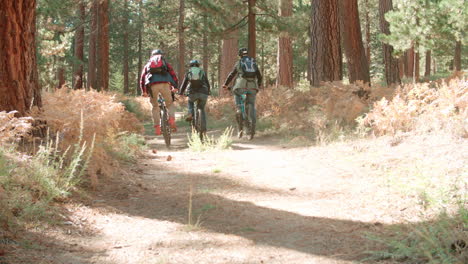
(155, 106)
(238, 102)
(191, 106)
(202, 98)
(251, 96)
(164, 89)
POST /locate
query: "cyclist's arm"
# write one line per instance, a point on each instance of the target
(173, 74)
(231, 76)
(259, 78)
(205, 79)
(184, 85)
(143, 80)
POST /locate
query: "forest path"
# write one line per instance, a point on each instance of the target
(260, 202)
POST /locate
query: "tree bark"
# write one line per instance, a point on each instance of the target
(60, 75)
(368, 34)
(93, 46)
(229, 54)
(392, 72)
(19, 85)
(102, 70)
(427, 72)
(325, 53)
(410, 62)
(181, 37)
(126, 49)
(79, 48)
(457, 57)
(252, 41)
(140, 43)
(205, 46)
(358, 68)
(285, 52)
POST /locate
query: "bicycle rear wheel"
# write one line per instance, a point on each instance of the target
(166, 129)
(198, 124)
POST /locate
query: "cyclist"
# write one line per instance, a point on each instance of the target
(158, 76)
(249, 80)
(198, 88)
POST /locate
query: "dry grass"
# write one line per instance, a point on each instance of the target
(422, 108)
(13, 129)
(100, 114)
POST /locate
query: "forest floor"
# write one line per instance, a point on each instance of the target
(263, 201)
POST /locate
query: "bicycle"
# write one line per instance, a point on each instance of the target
(246, 117)
(165, 127)
(197, 121)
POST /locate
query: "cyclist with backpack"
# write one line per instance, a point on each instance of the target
(198, 88)
(248, 81)
(158, 76)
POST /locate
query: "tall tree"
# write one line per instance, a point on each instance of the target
(252, 47)
(79, 47)
(92, 52)
(427, 71)
(19, 85)
(229, 50)
(181, 30)
(102, 69)
(125, 69)
(457, 57)
(285, 52)
(140, 45)
(392, 73)
(358, 68)
(205, 46)
(368, 31)
(325, 51)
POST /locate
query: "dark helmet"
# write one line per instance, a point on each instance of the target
(243, 52)
(156, 52)
(195, 63)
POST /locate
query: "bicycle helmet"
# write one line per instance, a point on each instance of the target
(195, 63)
(243, 51)
(156, 52)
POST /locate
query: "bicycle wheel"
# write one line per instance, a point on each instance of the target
(198, 124)
(166, 129)
(250, 121)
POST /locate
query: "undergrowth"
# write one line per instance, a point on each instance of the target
(210, 143)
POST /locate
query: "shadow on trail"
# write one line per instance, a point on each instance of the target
(168, 201)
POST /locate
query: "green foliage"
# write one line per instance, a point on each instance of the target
(31, 183)
(210, 143)
(438, 241)
(126, 146)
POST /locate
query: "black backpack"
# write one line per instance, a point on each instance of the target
(249, 67)
(196, 78)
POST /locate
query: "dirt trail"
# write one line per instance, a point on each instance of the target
(261, 202)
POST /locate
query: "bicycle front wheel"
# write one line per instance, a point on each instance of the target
(166, 129)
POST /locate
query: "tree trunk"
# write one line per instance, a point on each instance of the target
(325, 53)
(19, 85)
(103, 47)
(181, 38)
(358, 68)
(140, 43)
(368, 34)
(427, 72)
(457, 57)
(410, 62)
(416, 73)
(79, 48)
(60, 75)
(392, 73)
(229, 54)
(285, 52)
(252, 30)
(93, 46)
(126, 49)
(205, 46)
